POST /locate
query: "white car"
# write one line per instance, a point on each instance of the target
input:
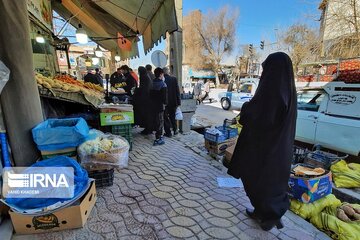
(330, 116)
(236, 96)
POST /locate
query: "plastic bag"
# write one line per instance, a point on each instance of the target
(346, 175)
(178, 114)
(54, 134)
(4, 75)
(107, 149)
(80, 181)
(309, 210)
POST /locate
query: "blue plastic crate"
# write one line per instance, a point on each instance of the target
(215, 137)
(227, 133)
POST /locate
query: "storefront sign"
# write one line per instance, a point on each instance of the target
(41, 9)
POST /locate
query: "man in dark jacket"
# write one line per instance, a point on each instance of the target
(149, 71)
(99, 78)
(90, 77)
(158, 95)
(116, 78)
(173, 102)
(129, 82)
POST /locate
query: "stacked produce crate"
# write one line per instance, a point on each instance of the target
(120, 117)
(218, 139)
(124, 130)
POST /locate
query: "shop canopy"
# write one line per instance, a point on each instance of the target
(113, 18)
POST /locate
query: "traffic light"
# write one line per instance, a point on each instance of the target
(262, 44)
(251, 48)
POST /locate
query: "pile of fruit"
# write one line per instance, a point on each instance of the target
(68, 84)
(349, 76)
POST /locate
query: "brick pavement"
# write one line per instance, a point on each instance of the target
(170, 192)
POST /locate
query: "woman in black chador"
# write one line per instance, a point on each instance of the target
(142, 102)
(263, 154)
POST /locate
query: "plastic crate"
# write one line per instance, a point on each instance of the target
(322, 159)
(125, 131)
(227, 133)
(299, 155)
(103, 178)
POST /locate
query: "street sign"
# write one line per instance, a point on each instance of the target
(159, 59)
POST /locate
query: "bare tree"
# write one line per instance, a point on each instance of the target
(340, 28)
(217, 34)
(302, 43)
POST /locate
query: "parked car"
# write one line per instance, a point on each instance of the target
(330, 116)
(238, 93)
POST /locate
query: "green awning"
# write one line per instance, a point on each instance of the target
(150, 18)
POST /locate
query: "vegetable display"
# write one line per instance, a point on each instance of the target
(106, 149)
(68, 84)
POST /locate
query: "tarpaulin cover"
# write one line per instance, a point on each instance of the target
(151, 19)
(309, 210)
(54, 134)
(346, 175)
(80, 181)
(328, 221)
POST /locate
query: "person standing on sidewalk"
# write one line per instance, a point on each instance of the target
(264, 151)
(206, 90)
(173, 102)
(158, 95)
(149, 72)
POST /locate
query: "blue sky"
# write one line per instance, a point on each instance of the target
(257, 21)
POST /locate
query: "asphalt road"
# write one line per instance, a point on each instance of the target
(211, 114)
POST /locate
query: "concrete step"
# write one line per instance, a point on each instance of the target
(347, 195)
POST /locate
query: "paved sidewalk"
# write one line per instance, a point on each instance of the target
(170, 192)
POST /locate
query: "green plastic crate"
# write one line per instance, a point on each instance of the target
(125, 131)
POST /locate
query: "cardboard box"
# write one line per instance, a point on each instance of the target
(308, 190)
(116, 118)
(229, 152)
(219, 148)
(74, 216)
(68, 152)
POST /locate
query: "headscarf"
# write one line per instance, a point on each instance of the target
(276, 88)
(145, 81)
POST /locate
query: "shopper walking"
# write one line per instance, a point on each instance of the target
(142, 102)
(173, 102)
(206, 90)
(197, 92)
(263, 154)
(158, 95)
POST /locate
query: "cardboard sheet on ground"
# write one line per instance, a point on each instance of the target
(229, 182)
